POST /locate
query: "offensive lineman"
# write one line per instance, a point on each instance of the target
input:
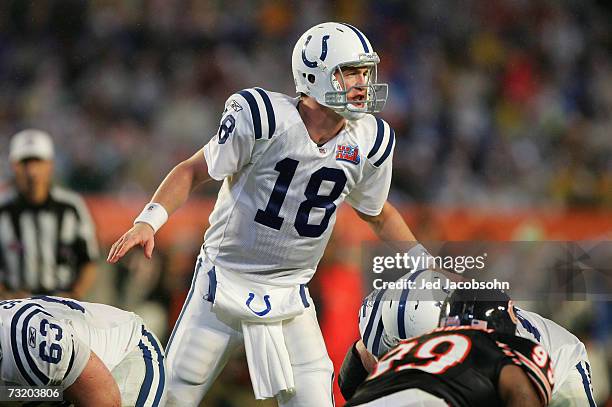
(569, 357)
(100, 355)
(474, 359)
(286, 165)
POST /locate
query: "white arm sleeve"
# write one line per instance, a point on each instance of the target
(370, 194)
(231, 148)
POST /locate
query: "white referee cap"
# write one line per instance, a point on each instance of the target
(31, 143)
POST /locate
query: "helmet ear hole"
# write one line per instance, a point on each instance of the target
(311, 78)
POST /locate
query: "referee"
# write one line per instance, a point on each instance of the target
(47, 237)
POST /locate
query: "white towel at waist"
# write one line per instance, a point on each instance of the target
(251, 301)
(260, 308)
(268, 359)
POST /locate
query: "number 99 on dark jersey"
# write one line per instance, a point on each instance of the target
(458, 364)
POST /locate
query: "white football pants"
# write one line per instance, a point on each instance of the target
(576, 390)
(201, 344)
(141, 375)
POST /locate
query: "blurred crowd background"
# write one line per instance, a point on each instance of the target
(497, 106)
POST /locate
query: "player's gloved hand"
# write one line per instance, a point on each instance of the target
(140, 234)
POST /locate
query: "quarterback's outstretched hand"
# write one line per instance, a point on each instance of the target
(140, 234)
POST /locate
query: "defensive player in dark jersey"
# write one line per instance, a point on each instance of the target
(473, 359)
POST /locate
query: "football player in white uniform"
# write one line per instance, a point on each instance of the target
(99, 355)
(286, 164)
(385, 320)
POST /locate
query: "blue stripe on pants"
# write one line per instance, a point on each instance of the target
(586, 383)
(145, 389)
(160, 363)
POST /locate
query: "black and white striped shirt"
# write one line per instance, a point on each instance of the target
(43, 247)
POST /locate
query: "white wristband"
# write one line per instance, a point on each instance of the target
(154, 215)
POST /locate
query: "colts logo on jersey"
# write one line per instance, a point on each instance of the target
(348, 153)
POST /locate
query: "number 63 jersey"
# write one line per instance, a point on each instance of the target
(461, 365)
(47, 341)
(277, 205)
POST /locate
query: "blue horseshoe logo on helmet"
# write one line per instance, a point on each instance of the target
(262, 312)
(313, 64)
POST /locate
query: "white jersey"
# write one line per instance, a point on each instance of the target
(48, 340)
(277, 206)
(565, 349)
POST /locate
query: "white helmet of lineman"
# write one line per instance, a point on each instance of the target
(323, 51)
(412, 312)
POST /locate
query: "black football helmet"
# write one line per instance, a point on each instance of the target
(491, 309)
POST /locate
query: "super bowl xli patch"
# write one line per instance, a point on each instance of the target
(348, 153)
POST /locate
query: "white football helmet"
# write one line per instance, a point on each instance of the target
(323, 51)
(412, 312)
